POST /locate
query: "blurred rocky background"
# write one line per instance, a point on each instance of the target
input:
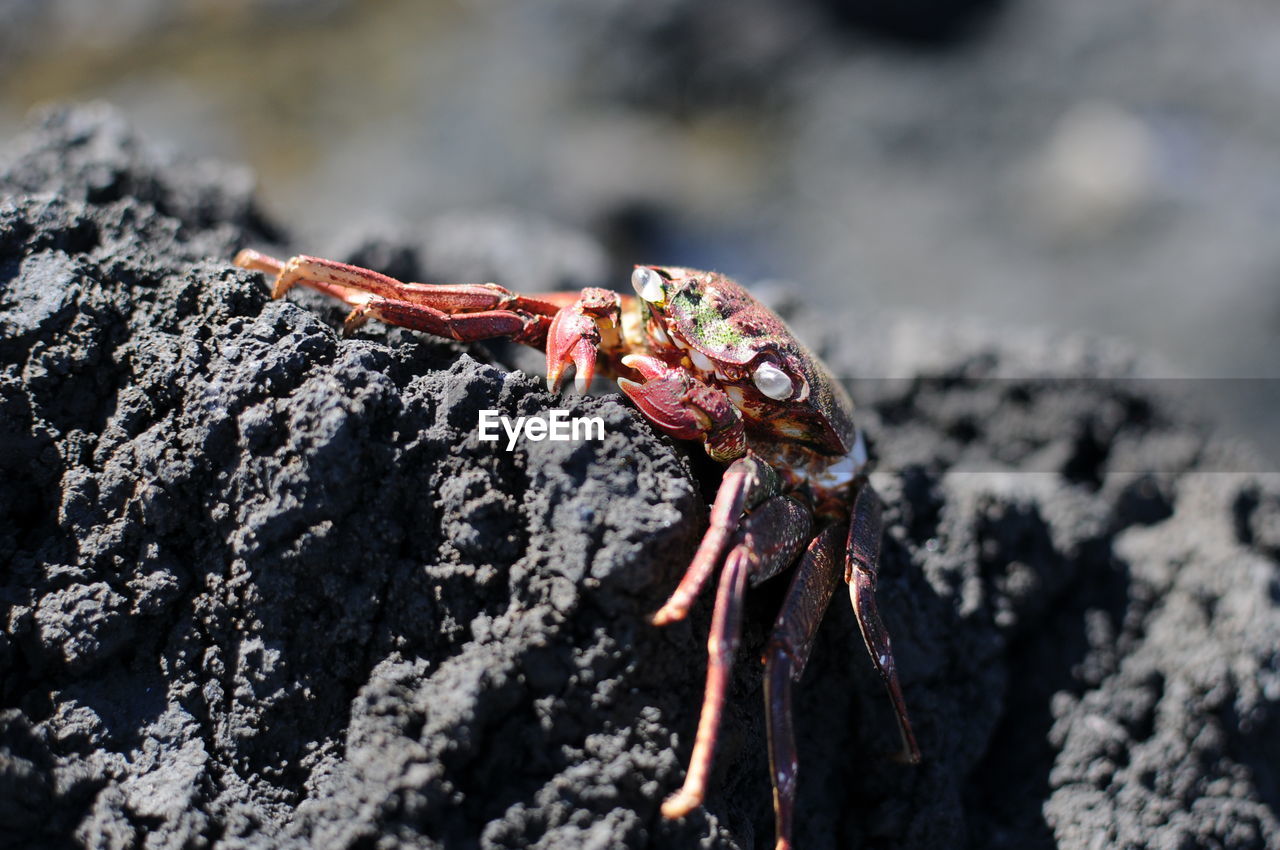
(1101, 165)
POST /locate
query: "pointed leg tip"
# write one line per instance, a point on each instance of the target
(281, 285)
(680, 804)
(355, 320)
(668, 614)
(248, 258)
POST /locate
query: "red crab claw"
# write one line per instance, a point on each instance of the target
(576, 333)
(664, 397)
(662, 401)
(572, 338)
(684, 407)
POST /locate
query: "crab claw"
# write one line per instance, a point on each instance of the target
(664, 400)
(685, 407)
(572, 338)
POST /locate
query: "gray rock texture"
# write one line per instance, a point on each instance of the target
(263, 586)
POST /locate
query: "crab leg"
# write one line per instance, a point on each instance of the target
(785, 658)
(465, 312)
(861, 564)
(747, 482)
(343, 281)
(768, 541)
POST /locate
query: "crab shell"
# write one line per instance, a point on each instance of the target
(727, 335)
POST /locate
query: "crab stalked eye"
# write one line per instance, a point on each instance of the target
(648, 284)
(701, 361)
(772, 381)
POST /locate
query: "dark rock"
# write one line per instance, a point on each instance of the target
(264, 586)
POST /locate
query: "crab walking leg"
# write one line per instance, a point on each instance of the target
(464, 312)
(785, 658)
(861, 564)
(260, 262)
(747, 482)
(336, 278)
(768, 541)
(464, 327)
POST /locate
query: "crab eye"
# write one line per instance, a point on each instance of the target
(701, 361)
(649, 284)
(772, 381)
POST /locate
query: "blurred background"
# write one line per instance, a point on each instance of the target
(1106, 166)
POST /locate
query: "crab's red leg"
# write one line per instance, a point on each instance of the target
(861, 564)
(464, 327)
(345, 281)
(811, 589)
(465, 312)
(747, 482)
(768, 540)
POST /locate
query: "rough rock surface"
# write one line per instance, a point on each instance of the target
(263, 587)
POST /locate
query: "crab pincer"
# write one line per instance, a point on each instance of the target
(578, 332)
(684, 407)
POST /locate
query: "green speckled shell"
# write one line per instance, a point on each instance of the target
(720, 319)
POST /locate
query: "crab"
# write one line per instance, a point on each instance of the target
(702, 360)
